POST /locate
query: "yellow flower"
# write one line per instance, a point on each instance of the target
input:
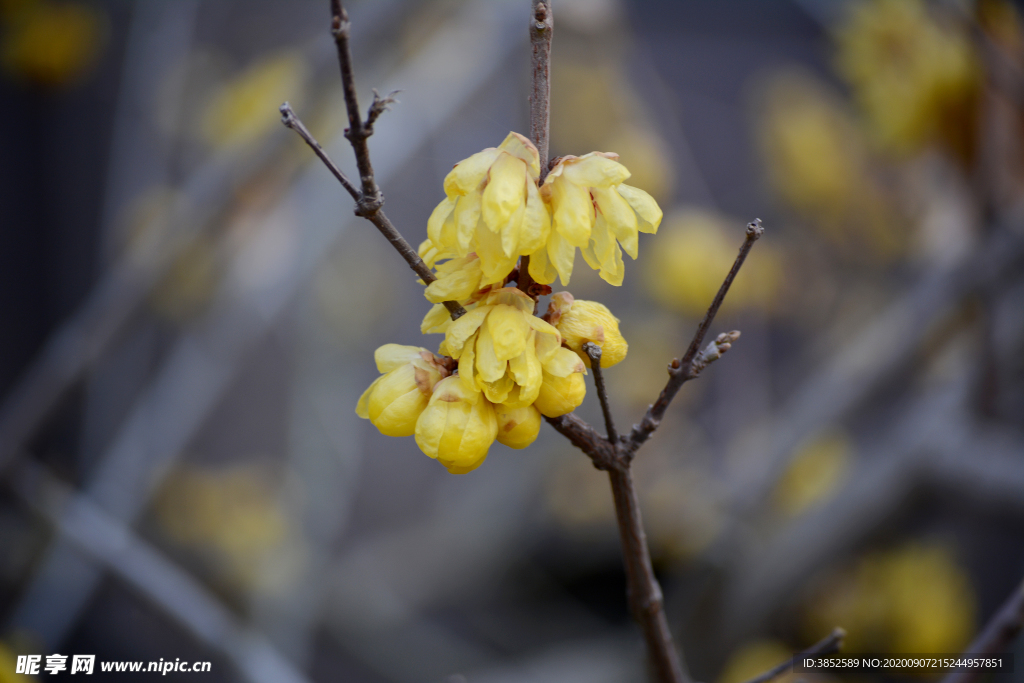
(394, 401)
(581, 321)
(52, 43)
(501, 347)
(492, 207)
(517, 427)
(916, 79)
(592, 209)
(562, 388)
(457, 427)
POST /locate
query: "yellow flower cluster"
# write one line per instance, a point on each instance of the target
(500, 367)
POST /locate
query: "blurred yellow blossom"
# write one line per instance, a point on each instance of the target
(580, 322)
(753, 659)
(694, 254)
(815, 471)
(51, 43)
(816, 158)
(238, 113)
(914, 74)
(914, 598)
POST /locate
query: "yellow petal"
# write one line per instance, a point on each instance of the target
(498, 391)
(620, 217)
(391, 356)
(591, 321)
(362, 408)
(594, 170)
(494, 264)
(438, 216)
(541, 268)
(517, 427)
(469, 173)
(459, 285)
(511, 232)
(561, 254)
(505, 191)
(457, 427)
(574, 213)
(488, 366)
(536, 224)
(647, 210)
(436, 320)
(461, 329)
(549, 340)
(467, 364)
(508, 330)
(614, 270)
(560, 395)
(526, 370)
(467, 215)
(563, 363)
(602, 240)
(520, 147)
(397, 401)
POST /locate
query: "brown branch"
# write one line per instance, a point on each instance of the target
(594, 352)
(369, 199)
(586, 438)
(826, 646)
(997, 635)
(644, 592)
(541, 30)
(682, 371)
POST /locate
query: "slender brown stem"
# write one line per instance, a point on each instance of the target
(645, 598)
(682, 371)
(826, 646)
(594, 352)
(997, 635)
(290, 120)
(541, 30)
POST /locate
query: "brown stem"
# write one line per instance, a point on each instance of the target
(645, 597)
(826, 646)
(997, 635)
(682, 371)
(541, 30)
(594, 352)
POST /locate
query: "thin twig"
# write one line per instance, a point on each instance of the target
(290, 120)
(369, 199)
(594, 352)
(997, 635)
(682, 371)
(586, 438)
(826, 646)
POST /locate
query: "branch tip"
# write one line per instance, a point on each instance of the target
(755, 229)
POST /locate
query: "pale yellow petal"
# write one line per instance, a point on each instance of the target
(470, 172)
(542, 270)
(391, 356)
(563, 363)
(620, 218)
(488, 367)
(602, 240)
(614, 270)
(647, 210)
(517, 427)
(520, 147)
(595, 170)
(511, 232)
(467, 364)
(505, 191)
(498, 391)
(536, 223)
(494, 264)
(467, 215)
(508, 331)
(461, 329)
(561, 254)
(574, 213)
(437, 218)
(458, 285)
(436, 320)
(362, 408)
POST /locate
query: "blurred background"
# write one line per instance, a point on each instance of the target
(190, 309)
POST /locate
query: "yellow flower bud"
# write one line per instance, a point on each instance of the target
(581, 321)
(394, 401)
(457, 427)
(517, 427)
(592, 210)
(562, 388)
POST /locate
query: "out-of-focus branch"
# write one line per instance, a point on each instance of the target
(682, 371)
(997, 635)
(826, 646)
(113, 544)
(594, 352)
(369, 199)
